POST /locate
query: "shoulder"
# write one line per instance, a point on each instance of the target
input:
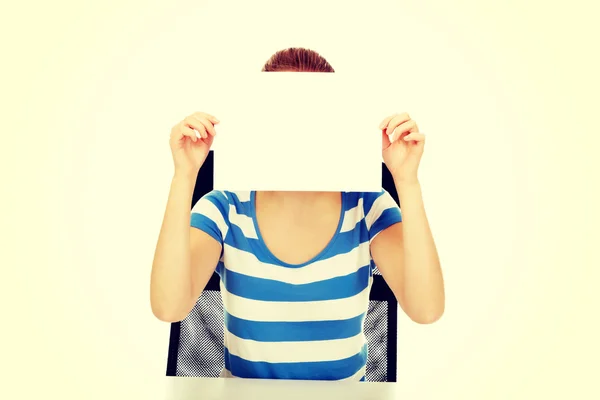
(215, 200)
(372, 201)
(218, 208)
(380, 211)
(222, 198)
(226, 203)
(372, 196)
(237, 197)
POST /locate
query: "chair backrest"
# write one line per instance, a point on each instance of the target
(196, 343)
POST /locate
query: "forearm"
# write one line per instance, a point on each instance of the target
(170, 286)
(422, 276)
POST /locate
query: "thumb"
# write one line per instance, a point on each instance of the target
(385, 141)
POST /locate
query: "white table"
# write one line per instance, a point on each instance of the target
(185, 388)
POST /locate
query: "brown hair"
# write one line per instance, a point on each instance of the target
(297, 59)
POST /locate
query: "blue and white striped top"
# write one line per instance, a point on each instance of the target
(286, 321)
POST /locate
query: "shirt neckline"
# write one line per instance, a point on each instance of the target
(272, 256)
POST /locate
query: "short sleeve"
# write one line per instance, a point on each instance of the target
(210, 215)
(381, 212)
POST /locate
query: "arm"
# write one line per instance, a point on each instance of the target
(407, 258)
(185, 257)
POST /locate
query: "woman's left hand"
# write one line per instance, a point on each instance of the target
(402, 146)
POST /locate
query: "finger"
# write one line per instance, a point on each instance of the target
(385, 141)
(415, 136)
(193, 123)
(178, 132)
(398, 120)
(386, 121)
(186, 131)
(402, 128)
(206, 123)
(210, 117)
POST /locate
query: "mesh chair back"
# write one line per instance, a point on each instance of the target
(196, 343)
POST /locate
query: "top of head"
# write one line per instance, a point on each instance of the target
(296, 59)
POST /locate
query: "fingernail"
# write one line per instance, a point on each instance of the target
(198, 135)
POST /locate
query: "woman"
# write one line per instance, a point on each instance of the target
(296, 267)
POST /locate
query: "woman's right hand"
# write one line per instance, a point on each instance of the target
(190, 142)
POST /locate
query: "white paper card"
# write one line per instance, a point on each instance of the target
(290, 131)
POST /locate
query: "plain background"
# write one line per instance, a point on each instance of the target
(507, 93)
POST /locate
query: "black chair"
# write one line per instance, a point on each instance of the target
(196, 343)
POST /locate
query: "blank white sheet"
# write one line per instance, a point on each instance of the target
(292, 131)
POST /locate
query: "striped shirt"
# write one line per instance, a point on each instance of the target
(285, 321)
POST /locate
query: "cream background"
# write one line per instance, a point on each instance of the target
(506, 92)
